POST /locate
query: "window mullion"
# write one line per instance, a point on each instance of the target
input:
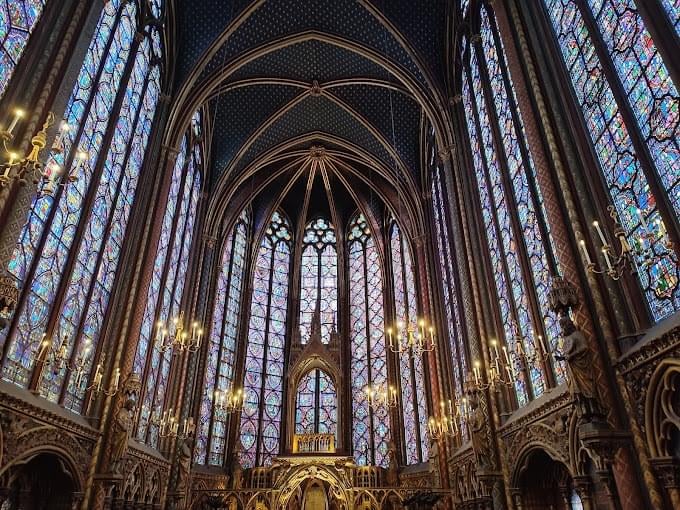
(369, 364)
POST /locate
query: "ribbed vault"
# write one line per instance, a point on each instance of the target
(282, 80)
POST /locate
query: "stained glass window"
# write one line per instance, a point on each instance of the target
(316, 404)
(263, 382)
(411, 369)
(164, 295)
(319, 279)
(649, 96)
(18, 18)
(370, 429)
(449, 284)
(67, 256)
(518, 234)
(219, 372)
(672, 7)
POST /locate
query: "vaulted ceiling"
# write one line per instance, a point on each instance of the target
(359, 77)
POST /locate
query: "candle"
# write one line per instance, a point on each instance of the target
(12, 158)
(600, 233)
(116, 379)
(18, 114)
(541, 344)
(495, 348)
(606, 258)
(450, 408)
(505, 353)
(586, 255)
(509, 371)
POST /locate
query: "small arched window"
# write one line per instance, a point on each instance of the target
(316, 404)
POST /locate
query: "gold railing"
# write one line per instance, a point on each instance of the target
(314, 443)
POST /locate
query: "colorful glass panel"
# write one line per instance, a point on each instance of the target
(411, 374)
(219, 373)
(18, 18)
(522, 173)
(497, 226)
(263, 380)
(653, 101)
(316, 404)
(449, 288)
(319, 279)
(672, 8)
(370, 430)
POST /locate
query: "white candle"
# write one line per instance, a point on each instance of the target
(606, 259)
(582, 243)
(18, 114)
(507, 356)
(600, 233)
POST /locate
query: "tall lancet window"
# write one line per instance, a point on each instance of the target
(370, 429)
(219, 372)
(66, 260)
(631, 111)
(449, 278)
(411, 366)
(263, 384)
(18, 18)
(316, 406)
(318, 278)
(166, 289)
(517, 231)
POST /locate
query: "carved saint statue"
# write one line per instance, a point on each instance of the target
(392, 466)
(122, 424)
(582, 386)
(477, 424)
(236, 469)
(184, 463)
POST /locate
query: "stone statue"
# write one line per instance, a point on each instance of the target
(236, 469)
(477, 424)
(184, 464)
(122, 423)
(581, 381)
(392, 466)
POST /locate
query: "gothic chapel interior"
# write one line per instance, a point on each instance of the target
(339, 254)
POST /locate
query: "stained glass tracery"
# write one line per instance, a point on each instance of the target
(166, 289)
(650, 97)
(370, 429)
(319, 279)
(18, 18)
(411, 370)
(219, 373)
(263, 380)
(82, 226)
(316, 404)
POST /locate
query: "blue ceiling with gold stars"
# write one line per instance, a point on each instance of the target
(263, 58)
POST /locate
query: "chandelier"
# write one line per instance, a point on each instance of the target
(229, 400)
(176, 336)
(447, 422)
(381, 397)
(410, 337)
(170, 426)
(29, 167)
(644, 251)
